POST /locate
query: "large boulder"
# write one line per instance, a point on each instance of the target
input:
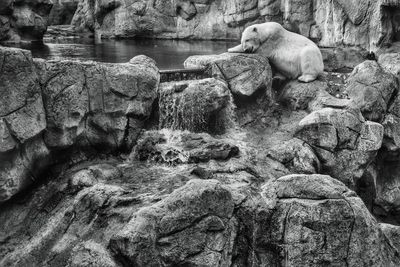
(192, 226)
(317, 220)
(343, 141)
(244, 73)
(371, 88)
(95, 103)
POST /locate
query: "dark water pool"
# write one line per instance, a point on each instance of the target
(168, 54)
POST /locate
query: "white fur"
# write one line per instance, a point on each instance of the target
(292, 54)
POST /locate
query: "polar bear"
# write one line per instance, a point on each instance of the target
(292, 54)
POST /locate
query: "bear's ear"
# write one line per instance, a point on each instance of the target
(254, 29)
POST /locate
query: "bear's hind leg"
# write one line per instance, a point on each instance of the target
(311, 64)
(306, 78)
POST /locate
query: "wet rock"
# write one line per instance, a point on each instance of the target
(371, 88)
(343, 141)
(176, 147)
(244, 73)
(192, 226)
(195, 105)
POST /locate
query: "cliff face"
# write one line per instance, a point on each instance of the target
(330, 23)
(23, 19)
(50, 108)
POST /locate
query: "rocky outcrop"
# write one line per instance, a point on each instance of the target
(23, 19)
(317, 213)
(61, 105)
(180, 220)
(189, 227)
(371, 89)
(330, 23)
(344, 142)
(244, 73)
(275, 189)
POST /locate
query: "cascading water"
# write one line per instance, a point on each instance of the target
(196, 105)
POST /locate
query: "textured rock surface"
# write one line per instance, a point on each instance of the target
(23, 19)
(244, 73)
(254, 195)
(332, 23)
(297, 219)
(175, 147)
(297, 156)
(344, 142)
(318, 221)
(51, 106)
(371, 89)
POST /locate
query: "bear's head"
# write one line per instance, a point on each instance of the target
(254, 36)
(250, 39)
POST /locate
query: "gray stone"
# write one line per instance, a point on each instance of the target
(344, 143)
(177, 227)
(370, 88)
(176, 147)
(244, 73)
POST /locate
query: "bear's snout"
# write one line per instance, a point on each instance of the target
(248, 49)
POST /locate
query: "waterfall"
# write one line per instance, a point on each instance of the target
(197, 105)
